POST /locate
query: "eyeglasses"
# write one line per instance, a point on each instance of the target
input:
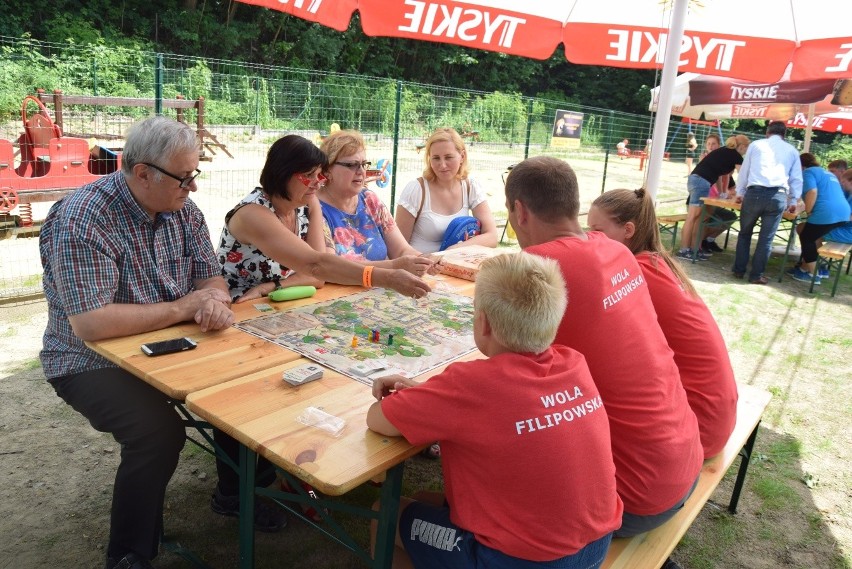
(318, 178)
(355, 166)
(184, 182)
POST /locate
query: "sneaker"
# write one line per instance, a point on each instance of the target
(823, 272)
(129, 561)
(670, 564)
(711, 247)
(688, 254)
(803, 276)
(267, 518)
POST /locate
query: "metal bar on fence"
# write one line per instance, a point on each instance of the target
(529, 129)
(396, 116)
(158, 85)
(606, 148)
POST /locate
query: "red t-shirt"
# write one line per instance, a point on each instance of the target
(699, 352)
(611, 321)
(524, 447)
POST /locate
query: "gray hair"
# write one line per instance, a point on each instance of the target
(154, 140)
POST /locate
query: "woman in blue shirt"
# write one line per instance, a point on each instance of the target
(359, 227)
(827, 209)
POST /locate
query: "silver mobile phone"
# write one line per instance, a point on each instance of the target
(168, 346)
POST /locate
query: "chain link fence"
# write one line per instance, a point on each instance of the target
(239, 109)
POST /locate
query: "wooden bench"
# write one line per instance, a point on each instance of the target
(649, 550)
(668, 224)
(833, 254)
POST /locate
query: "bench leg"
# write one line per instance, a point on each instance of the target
(837, 276)
(745, 453)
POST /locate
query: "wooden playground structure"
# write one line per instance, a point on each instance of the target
(51, 164)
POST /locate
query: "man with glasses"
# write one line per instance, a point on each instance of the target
(130, 253)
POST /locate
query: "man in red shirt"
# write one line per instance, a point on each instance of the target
(610, 319)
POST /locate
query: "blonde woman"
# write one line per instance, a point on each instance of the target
(717, 163)
(428, 206)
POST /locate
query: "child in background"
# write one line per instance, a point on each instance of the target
(552, 500)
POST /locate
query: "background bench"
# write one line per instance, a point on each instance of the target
(833, 254)
(668, 224)
(649, 550)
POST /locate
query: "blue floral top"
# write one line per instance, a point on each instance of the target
(359, 236)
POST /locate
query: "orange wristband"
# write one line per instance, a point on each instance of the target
(367, 277)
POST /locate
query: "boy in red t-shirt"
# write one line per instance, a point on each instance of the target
(528, 471)
(612, 322)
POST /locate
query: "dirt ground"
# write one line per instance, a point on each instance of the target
(794, 513)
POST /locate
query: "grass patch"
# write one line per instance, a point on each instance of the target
(775, 494)
(27, 365)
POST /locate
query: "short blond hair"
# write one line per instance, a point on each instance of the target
(524, 298)
(342, 143)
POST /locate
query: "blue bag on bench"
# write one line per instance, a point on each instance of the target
(460, 229)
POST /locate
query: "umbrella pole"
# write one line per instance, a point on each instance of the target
(667, 83)
(810, 127)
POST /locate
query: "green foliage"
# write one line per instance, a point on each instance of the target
(234, 31)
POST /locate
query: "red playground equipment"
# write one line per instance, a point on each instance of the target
(51, 165)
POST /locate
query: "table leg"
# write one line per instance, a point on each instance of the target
(787, 249)
(248, 462)
(386, 532)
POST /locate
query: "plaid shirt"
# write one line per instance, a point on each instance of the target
(99, 247)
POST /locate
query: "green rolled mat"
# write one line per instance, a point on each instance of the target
(292, 293)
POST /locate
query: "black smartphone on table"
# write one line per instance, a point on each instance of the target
(168, 346)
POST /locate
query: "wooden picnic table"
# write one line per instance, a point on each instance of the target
(233, 381)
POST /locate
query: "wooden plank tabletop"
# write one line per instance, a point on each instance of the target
(221, 355)
(732, 204)
(261, 410)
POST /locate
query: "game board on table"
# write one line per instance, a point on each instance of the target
(414, 336)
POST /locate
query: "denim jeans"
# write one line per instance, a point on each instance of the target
(766, 205)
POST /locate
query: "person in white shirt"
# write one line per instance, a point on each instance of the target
(770, 181)
(429, 204)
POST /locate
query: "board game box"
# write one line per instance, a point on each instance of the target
(464, 262)
(374, 333)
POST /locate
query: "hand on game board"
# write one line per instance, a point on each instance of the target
(416, 265)
(401, 281)
(382, 386)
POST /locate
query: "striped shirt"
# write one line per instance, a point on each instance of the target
(99, 247)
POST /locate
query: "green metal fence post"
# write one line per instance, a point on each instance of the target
(529, 129)
(607, 144)
(158, 85)
(95, 77)
(396, 116)
(257, 105)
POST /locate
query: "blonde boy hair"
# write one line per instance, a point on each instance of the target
(524, 298)
(446, 135)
